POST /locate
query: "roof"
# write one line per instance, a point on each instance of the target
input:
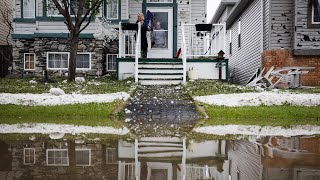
(222, 6)
(237, 11)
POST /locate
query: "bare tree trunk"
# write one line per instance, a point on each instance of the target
(74, 41)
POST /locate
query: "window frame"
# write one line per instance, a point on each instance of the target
(68, 53)
(90, 58)
(24, 62)
(34, 10)
(114, 157)
(107, 60)
(108, 11)
(239, 33)
(47, 153)
(310, 16)
(81, 165)
(72, 15)
(24, 156)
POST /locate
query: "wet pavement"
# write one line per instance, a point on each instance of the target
(161, 110)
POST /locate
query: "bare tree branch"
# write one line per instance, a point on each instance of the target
(93, 9)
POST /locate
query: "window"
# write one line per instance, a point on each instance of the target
(29, 156)
(111, 155)
(83, 157)
(57, 60)
(239, 34)
(57, 157)
(83, 61)
(111, 62)
(112, 9)
(29, 61)
(29, 8)
(316, 12)
(230, 41)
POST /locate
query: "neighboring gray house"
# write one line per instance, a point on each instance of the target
(265, 33)
(40, 34)
(6, 7)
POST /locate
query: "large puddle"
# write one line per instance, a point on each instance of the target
(164, 158)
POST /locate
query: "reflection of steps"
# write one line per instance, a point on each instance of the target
(160, 71)
(160, 149)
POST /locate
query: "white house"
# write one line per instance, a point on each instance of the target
(40, 37)
(266, 33)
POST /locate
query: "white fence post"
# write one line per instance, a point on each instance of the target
(137, 53)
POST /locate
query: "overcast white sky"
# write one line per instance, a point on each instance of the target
(211, 8)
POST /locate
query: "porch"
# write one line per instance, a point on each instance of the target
(164, 66)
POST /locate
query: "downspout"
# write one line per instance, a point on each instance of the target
(262, 28)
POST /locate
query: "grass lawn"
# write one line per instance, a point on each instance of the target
(99, 85)
(263, 115)
(209, 87)
(92, 114)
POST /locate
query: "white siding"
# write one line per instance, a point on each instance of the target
(305, 38)
(4, 30)
(244, 61)
(134, 8)
(266, 22)
(281, 24)
(17, 9)
(183, 17)
(39, 8)
(245, 161)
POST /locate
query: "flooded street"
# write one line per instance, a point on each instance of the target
(159, 158)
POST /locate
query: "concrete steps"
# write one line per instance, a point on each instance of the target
(160, 72)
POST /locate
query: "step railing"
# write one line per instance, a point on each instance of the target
(130, 45)
(197, 44)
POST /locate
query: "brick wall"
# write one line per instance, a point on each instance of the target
(283, 58)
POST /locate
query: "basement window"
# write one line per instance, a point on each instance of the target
(57, 157)
(83, 61)
(111, 62)
(83, 157)
(57, 60)
(111, 156)
(29, 61)
(29, 156)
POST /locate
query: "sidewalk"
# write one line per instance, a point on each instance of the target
(161, 110)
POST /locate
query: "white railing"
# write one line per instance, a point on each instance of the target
(202, 172)
(201, 43)
(129, 45)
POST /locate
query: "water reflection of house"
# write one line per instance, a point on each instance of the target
(52, 159)
(162, 159)
(296, 158)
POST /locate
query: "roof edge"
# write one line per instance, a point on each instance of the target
(222, 6)
(236, 11)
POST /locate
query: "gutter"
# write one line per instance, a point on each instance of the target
(222, 6)
(237, 11)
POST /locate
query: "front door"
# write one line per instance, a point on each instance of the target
(160, 39)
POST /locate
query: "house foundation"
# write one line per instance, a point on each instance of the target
(283, 58)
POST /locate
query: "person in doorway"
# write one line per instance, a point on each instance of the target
(144, 29)
(158, 37)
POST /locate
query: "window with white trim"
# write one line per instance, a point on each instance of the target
(29, 8)
(83, 157)
(57, 157)
(51, 8)
(29, 61)
(57, 60)
(239, 34)
(111, 62)
(316, 12)
(112, 9)
(29, 156)
(83, 61)
(111, 155)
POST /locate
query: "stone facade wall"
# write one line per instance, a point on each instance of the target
(283, 58)
(40, 46)
(38, 171)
